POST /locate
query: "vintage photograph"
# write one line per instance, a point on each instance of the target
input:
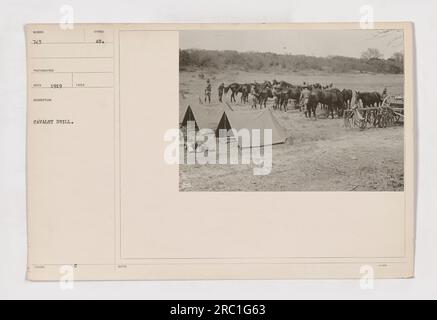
(291, 110)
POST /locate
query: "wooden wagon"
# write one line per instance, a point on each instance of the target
(388, 114)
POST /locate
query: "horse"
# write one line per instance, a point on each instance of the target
(347, 97)
(312, 103)
(292, 93)
(284, 84)
(235, 89)
(245, 90)
(277, 93)
(265, 84)
(332, 98)
(369, 99)
(253, 98)
(264, 95)
(339, 104)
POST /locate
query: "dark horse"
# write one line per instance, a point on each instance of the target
(369, 99)
(235, 89)
(331, 98)
(264, 94)
(291, 93)
(283, 92)
(337, 102)
(347, 97)
(313, 102)
(245, 90)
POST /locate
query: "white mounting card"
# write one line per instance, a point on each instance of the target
(139, 168)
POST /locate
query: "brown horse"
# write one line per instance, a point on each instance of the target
(264, 95)
(287, 94)
(235, 89)
(347, 97)
(245, 90)
(369, 99)
(332, 98)
(312, 103)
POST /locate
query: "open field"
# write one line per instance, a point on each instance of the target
(319, 155)
(192, 85)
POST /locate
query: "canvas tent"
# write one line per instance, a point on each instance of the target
(221, 116)
(251, 120)
(204, 116)
(182, 113)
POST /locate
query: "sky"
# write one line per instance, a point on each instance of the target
(348, 43)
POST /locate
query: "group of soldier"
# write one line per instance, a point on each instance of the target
(253, 95)
(307, 96)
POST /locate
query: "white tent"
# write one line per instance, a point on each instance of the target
(254, 120)
(204, 116)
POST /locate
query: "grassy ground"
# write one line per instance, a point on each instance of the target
(319, 155)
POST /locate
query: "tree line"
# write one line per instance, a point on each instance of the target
(371, 61)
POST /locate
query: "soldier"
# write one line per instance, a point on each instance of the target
(304, 97)
(253, 97)
(208, 91)
(221, 89)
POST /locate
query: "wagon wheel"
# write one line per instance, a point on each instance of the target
(379, 119)
(362, 124)
(369, 115)
(394, 118)
(390, 117)
(373, 115)
(384, 120)
(359, 123)
(376, 118)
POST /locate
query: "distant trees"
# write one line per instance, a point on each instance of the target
(398, 57)
(372, 53)
(372, 61)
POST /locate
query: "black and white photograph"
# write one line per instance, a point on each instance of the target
(205, 153)
(323, 109)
